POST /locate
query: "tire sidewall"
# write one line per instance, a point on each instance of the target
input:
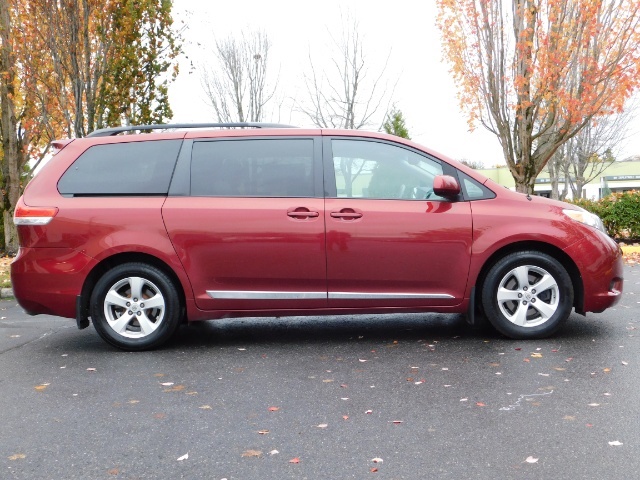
(172, 311)
(504, 266)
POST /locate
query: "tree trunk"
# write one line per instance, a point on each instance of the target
(9, 127)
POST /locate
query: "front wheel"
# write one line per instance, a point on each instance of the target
(527, 295)
(135, 306)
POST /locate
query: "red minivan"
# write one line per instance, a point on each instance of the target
(142, 232)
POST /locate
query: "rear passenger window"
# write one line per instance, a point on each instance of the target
(253, 168)
(134, 168)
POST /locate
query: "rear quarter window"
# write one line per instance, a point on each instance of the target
(133, 168)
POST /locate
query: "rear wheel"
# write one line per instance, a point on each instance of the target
(135, 306)
(527, 295)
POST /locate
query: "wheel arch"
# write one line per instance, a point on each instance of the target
(565, 260)
(108, 263)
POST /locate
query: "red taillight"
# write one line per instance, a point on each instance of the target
(25, 215)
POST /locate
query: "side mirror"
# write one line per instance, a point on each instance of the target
(446, 186)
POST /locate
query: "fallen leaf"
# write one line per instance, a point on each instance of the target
(113, 471)
(526, 360)
(322, 425)
(17, 456)
(361, 360)
(159, 416)
(559, 369)
(531, 460)
(518, 349)
(345, 417)
(494, 364)
(369, 412)
(274, 409)
(344, 385)
(133, 402)
(176, 388)
(294, 460)
(373, 469)
(183, 457)
(536, 355)
(606, 370)
(344, 398)
(464, 399)
(480, 404)
(15, 336)
(274, 452)
(158, 374)
(397, 422)
(625, 363)
(252, 453)
(615, 443)
(377, 460)
(167, 384)
(569, 417)
(41, 387)
(191, 393)
(594, 404)
(328, 380)
(589, 425)
(242, 349)
(544, 374)
(205, 407)
(263, 432)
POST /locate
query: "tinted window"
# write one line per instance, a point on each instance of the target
(378, 170)
(253, 168)
(135, 168)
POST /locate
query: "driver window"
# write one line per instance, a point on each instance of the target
(369, 169)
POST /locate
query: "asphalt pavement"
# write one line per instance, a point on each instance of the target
(392, 397)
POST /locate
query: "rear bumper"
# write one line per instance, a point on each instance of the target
(599, 260)
(48, 280)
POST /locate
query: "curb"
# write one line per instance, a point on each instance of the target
(627, 249)
(6, 293)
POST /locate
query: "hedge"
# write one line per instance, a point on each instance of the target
(620, 213)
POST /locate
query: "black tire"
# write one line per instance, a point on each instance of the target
(515, 307)
(123, 319)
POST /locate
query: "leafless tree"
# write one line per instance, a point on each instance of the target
(584, 157)
(237, 85)
(346, 94)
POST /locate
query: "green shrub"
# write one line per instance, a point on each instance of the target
(620, 213)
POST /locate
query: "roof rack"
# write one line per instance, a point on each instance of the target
(108, 132)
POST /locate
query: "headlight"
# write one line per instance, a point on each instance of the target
(585, 217)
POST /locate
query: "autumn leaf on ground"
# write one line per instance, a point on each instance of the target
(41, 387)
(274, 409)
(17, 456)
(158, 374)
(536, 355)
(205, 407)
(615, 443)
(397, 422)
(345, 417)
(91, 369)
(263, 432)
(373, 469)
(594, 405)
(531, 460)
(625, 363)
(322, 425)
(480, 404)
(183, 457)
(133, 402)
(166, 384)
(294, 460)
(274, 452)
(113, 471)
(176, 388)
(159, 416)
(377, 460)
(252, 453)
(369, 412)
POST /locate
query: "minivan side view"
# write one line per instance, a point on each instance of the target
(141, 232)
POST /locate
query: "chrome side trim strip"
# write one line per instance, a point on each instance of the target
(264, 295)
(269, 295)
(384, 296)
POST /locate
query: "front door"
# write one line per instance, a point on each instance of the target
(390, 240)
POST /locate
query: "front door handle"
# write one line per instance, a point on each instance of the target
(347, 214)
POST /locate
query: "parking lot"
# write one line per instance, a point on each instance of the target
(398, 396)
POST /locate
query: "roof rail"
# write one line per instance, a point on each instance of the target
(108, 132)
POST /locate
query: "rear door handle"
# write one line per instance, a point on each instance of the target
(300, 213)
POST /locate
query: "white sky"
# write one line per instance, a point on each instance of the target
(424, 92)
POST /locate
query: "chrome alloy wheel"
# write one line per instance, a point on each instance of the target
(134, 307)
(528, 296)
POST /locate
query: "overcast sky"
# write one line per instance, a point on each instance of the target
(424, 89)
